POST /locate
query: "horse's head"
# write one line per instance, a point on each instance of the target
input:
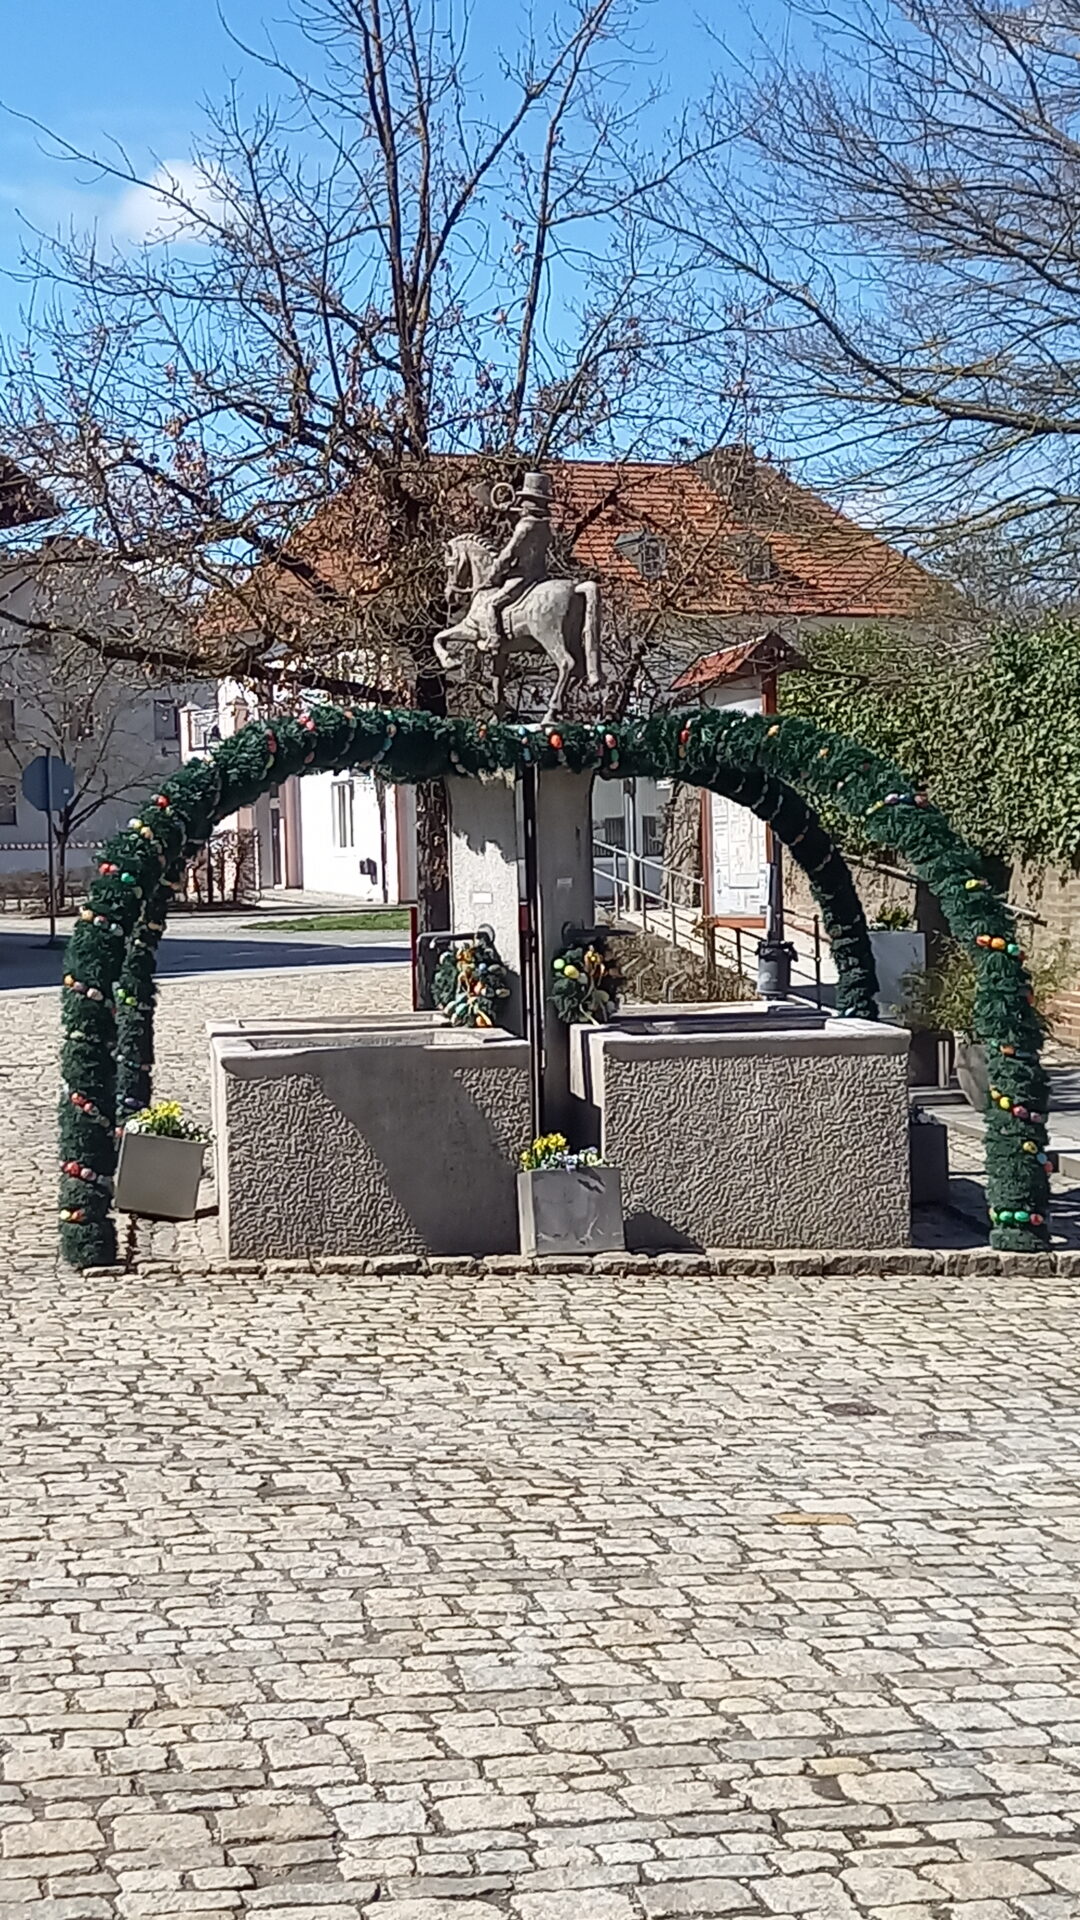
(468, 560)
(460, 572)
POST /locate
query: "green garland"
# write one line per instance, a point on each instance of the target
(469, 982)
(752, 758)
(586, 982)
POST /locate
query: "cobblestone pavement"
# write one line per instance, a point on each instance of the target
(568, 1597)
(559, 1596)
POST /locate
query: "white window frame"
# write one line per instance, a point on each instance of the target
(343, 816)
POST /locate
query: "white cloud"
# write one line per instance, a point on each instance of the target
(868, 506)
(177, 203)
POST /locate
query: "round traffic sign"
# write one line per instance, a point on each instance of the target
(48, 783)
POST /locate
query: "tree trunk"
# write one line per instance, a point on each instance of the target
(60, 847)
(682, 846)
(432, 823)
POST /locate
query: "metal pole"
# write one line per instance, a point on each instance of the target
(774, 933)
(531, 971)
(817, 959)
(51, 941)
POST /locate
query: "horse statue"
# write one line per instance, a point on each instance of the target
(558, 617)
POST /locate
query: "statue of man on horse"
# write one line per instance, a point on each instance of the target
(515, 605)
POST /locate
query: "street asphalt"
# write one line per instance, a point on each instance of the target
(203, 944)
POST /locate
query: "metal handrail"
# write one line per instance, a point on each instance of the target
(625, 872)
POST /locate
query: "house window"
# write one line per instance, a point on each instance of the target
(8, 803)
(613, 832)
(7, 719)
(166, 720)
(652, 836)
(644, 550)
(343, 822)
(756, 558)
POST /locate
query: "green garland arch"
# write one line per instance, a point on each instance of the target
(765, 764)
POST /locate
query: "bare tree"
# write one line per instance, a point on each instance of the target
(346, 291)
(898, 204)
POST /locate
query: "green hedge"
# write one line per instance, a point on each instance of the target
(766, 764)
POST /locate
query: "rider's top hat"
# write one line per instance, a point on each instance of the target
(537, 489)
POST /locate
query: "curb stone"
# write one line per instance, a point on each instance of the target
(783, 1263)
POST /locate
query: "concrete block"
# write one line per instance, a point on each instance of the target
(734, 1130)
(399, 1139)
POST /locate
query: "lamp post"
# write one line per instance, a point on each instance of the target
(774, 954)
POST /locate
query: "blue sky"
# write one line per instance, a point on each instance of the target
(138, 71)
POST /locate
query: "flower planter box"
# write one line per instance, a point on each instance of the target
(972, 1067)
(158, 1176)
(571, 1211)
(897, 952)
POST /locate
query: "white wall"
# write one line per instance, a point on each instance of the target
(736, 873)
(330, 868)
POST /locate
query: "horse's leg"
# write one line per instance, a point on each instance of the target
(589, 599)
(562, 658)
(498, 680)
(448, 661)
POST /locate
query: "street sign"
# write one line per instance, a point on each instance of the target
(48, 783)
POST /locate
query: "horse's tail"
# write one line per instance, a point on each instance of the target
(590, 593)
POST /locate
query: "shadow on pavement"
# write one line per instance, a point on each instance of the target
(26, 961)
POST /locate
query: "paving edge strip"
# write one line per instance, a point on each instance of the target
(719, 1264)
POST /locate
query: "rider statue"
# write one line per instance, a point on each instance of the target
(523, 560)
(517, 605)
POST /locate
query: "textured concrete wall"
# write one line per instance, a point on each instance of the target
(405, 1145)
(564, 867)
(484, 884)
(786, 1140)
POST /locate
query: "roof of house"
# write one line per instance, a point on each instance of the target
(741, 539)
(769, 654)
(22, 501)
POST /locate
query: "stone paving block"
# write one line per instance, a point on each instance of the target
(487, 1810)
(582, 1904)
(158, 1833)
(425, 1909)
(696, 1897)
(986, 1879)
(292, 1821)
(50, 1837)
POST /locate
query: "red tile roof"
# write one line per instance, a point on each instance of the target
(769, 654)
(741, 539)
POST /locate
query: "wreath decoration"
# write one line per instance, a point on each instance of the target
(586, 982)
(469, 982)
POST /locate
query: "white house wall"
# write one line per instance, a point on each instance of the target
(355, 872)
